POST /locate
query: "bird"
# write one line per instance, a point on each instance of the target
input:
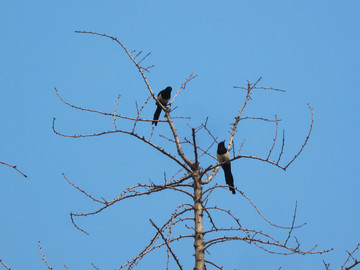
(223, 155)
(163, 97)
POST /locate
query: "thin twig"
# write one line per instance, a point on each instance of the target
(2, 262)
(43, 257)
(292, 225)
(213, 264)
(307, 138)
(195, 148)
(115, 107)
(167, 244)
(182, 87)
(275, 137)
(282, 147)
(14, 167)
(93, 265)
(348, 258)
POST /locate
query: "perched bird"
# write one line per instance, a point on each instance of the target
(163, 97)
(223, 155)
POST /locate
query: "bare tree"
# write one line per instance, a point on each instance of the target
(194, 179)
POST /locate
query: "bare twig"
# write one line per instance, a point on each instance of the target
(125, 132)
(2, 262)
(43, 257)
(135, 191)
(115, 107)
(139, 112)
(282, 147)
(275, 137)
(83, 191)
(241, 146)
(292, 224)
(93, 265)
(213, 264)
(355, 261)
(14, 167)
(167, 244)
(182, 87)
(307, 138)
(259, 118)
(195, 148)
(326, 265)
(257, 209)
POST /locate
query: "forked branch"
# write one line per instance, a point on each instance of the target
(355, 261)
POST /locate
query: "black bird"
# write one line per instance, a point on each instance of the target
(163, 97)
(223, 155)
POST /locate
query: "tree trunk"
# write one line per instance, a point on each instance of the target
(199, 235)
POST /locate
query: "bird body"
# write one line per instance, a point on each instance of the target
(223, 155)
(163, 97)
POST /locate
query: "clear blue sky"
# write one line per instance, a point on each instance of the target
(308, 48)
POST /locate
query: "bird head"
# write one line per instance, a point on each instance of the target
(168, 89)
(221, 144)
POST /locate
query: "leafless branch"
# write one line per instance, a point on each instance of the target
(98, 111)
(241, 146)
(124, 132)
(43, 257)
(168, 225)
(135, 191)
(182, 87)
(213, 264)
(2, 262)
(326, 265)
(93, 265)
(282, 147)
(259, 118)
(138, 114)
(83, 191)
(292, 225)
(167, 244)
(257, 209)
(233, 130)
(115, 107)
(307, 138)
(14, 167)
(275, 137)
(355, 261)
(195, 148)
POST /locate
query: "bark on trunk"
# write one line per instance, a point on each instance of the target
(199, 235)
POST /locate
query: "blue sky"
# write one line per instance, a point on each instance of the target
(308, 48)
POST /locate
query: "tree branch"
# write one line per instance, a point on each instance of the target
(14, 167)
(356, 261)
(167, 244)
(43, 257)
(2, 262)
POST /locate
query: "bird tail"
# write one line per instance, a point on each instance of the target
(156, 115)
(229, 177)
